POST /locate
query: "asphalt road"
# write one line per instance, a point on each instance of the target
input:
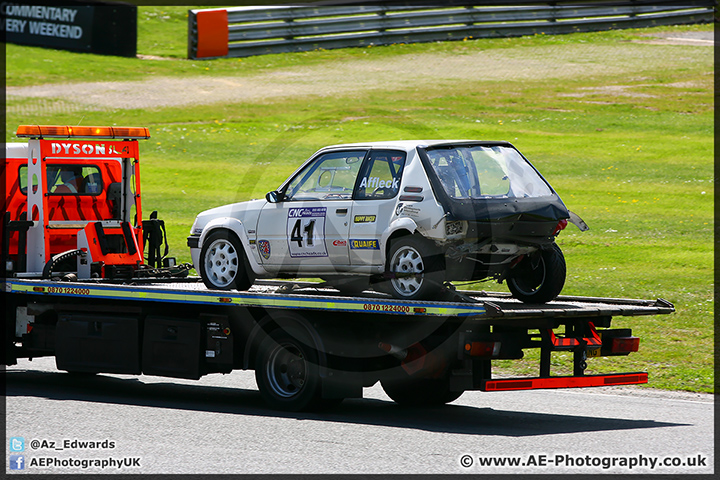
(220, 425)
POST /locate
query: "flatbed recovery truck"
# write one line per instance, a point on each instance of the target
(309, 345)
(75, 285)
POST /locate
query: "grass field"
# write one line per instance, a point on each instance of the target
(623, 131)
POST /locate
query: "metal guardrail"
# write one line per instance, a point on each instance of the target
(247, 31)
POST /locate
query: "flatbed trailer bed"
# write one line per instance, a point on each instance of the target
(310, 345)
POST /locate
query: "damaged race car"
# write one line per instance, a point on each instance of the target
(401, 217)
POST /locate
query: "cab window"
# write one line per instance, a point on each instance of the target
(381, 174)
(68, 180)
(330, 176)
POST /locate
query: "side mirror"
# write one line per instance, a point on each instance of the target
(273, 197)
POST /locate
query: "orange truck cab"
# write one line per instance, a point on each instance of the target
(72, 202)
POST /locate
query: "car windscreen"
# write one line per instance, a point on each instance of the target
(486, 171)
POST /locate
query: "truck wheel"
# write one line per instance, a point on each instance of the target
(222, 262)
(420, 392)
(542, 283)
(416, 269)
(287, 372)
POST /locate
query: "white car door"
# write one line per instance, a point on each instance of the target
(374, 204)
(307, 230)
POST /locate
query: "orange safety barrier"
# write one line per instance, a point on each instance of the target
(212, 33)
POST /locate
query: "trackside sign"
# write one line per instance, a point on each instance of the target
(91, 27)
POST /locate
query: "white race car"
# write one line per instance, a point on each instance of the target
(402, 217)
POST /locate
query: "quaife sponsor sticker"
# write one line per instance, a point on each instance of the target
(364, 244)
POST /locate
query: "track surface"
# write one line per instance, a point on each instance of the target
(220, 425)
(353, 77)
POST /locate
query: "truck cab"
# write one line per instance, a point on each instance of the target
(72, 202)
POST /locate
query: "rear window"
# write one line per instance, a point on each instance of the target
(486, 171)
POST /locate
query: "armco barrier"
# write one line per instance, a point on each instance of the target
(247, 31)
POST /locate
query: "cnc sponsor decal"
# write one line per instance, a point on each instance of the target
(364, 244)
(375, 182)
(306, 232)
(364, 218)
(264, 248)
(339, 243)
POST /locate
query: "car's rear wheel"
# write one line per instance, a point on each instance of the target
(415, 268)
(222, 262)
(541, 282)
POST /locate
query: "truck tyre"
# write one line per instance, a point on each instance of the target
(408, 391)
(223, 265)
(415, 267)
(542, 283)
(287, 372)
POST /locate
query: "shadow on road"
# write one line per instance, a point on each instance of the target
(459, 419)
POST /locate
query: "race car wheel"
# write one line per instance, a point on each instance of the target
(419, 392)
(287, 372)
(222, 262)
(415, 269)
(540, 283)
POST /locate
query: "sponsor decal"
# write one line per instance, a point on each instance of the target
(399, 209)
(99, 149)
(264, 248)
(375, 182)
(364, 218)
(410, 211)
(306, 232)
(364, 244)
(339, 243)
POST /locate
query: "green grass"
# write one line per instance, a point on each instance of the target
(627, 142)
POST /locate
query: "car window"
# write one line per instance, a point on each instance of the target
(330, 176)
(68, 180)
(480, 171)
(381, 174)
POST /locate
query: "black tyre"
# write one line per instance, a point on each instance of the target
(541, 283)
(416, 269)
(420, 392)
(223, 265)
(287, 372)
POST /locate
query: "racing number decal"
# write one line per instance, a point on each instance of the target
(297, 234)
(306, 232)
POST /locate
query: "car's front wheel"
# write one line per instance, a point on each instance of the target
(415, 269)
(540, 281)
(222, 262)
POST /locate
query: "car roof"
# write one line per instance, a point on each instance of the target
(408, 145)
